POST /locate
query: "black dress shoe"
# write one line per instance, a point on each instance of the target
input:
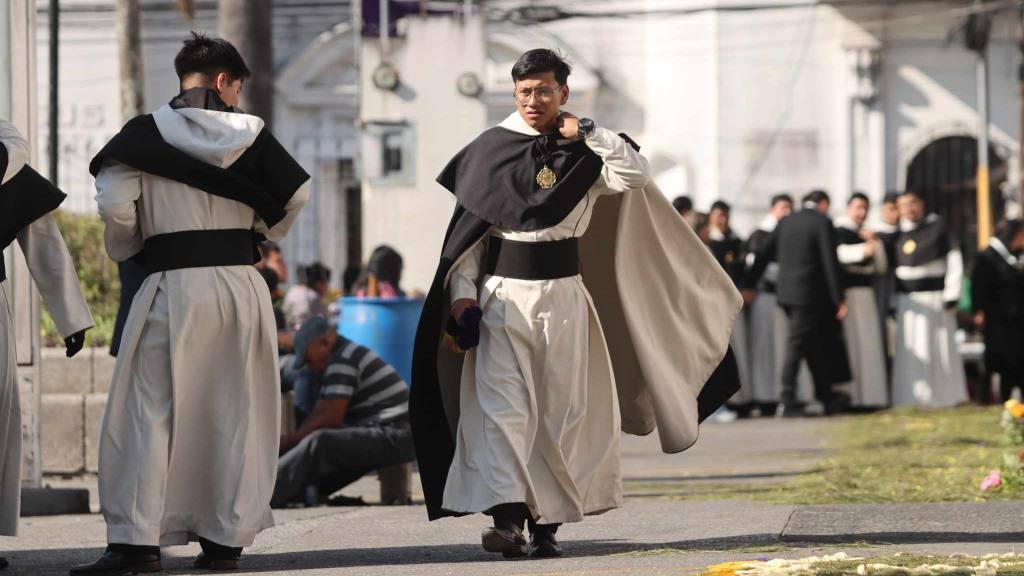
(784, 410)
(543, 544)
(508, 541)
(116, 563)
(3, 563)
(211, 563)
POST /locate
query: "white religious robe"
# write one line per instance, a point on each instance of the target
(861, 327)
(189, 441)
(53, 272)
(927, 367)
(539, 412)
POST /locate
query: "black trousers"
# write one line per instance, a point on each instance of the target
(331, 459)
(814, 335)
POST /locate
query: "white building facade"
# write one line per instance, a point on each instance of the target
(729, 99)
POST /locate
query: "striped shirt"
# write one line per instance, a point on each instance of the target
(376, 393)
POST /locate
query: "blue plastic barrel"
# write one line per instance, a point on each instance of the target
(385, 325)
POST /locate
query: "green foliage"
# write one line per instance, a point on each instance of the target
(901, 455)
(1012, 427)
(96, 273)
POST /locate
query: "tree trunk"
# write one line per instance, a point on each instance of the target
(247, 25)
(129, 48)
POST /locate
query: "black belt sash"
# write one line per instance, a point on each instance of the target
(859, 280)
(200, 249)
(3, 266)
(921, 285)
(533, 260)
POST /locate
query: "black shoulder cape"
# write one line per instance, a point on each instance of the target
(24, 199)
(468, 177)
(495, 178)
(264, 177)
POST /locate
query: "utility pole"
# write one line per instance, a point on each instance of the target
(54, 88)
(129, 47)
(979, 26)
(247, 25)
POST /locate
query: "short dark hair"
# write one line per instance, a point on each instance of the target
(817, 196)
(858, 196)
(781, 198)
(316, 272)
(209, 56)
(1008, 229)
(539, 61)
(682, 204)
(909, 192)
(890, 197)
(721, 205)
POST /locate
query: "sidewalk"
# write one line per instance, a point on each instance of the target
(651, 535)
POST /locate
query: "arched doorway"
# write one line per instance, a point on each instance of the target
(944, 173)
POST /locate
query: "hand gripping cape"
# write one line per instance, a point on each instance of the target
(667, 308)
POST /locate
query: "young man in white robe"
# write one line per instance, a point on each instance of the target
(525, 425)
(862, 256)
(26, 200)
(188, 446)
(927, 367)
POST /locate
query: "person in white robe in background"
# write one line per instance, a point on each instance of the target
(927, 367)
(53, 272)
(862, 256)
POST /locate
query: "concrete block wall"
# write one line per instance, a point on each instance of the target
(74, 396)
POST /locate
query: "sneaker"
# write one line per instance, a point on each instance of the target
(509, 542)
(723, 416)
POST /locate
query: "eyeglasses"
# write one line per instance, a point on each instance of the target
(543, 94)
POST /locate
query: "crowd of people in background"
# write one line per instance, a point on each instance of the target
(842, 315)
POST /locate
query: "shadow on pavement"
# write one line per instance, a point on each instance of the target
(57, 561)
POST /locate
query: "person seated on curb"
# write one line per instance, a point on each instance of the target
(359, 424)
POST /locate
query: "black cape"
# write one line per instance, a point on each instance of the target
(494, 177)
(432, 428)
(264, 177)
(24, 199)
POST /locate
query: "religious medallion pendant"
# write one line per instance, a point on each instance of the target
(546, 177)
(909, 247)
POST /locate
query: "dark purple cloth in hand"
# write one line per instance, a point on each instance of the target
(469, 328)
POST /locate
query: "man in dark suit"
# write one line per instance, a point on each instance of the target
(810, 291)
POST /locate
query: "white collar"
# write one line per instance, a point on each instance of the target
(768, 224)
(718, 236)
(844, 221)
(908, 226)
(997, 245)
(515, 123)
(885, 228)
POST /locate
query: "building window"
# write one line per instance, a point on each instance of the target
(389, 153)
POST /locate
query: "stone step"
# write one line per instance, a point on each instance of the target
(90, 371)
(70, 432)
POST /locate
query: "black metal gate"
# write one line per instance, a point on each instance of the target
(944, 174)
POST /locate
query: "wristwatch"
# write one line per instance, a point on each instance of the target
(586, 128)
